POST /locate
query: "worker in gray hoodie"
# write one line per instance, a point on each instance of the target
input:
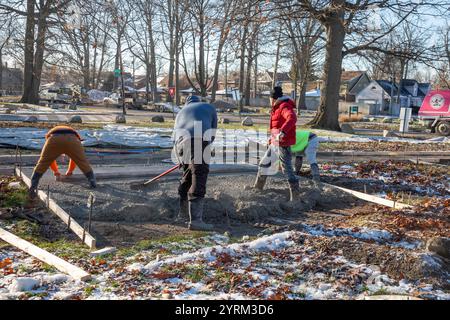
(194, 131)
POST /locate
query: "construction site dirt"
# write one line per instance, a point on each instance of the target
(230, 204)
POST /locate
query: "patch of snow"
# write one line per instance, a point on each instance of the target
(268, 243)
(24, 284)
(363, 233)
(55, 279)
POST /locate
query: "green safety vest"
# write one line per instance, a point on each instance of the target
(301, 141)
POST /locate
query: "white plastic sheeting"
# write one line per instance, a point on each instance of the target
(97, 95)
(109, 136)
(138, 137)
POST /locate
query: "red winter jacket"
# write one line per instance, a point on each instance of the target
(283, 118)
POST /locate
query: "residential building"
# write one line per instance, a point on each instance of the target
(11, 80)
(387, 97)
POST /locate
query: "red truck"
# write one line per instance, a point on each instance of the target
(435, 111)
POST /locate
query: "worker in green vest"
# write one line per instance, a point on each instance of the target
(306, 144)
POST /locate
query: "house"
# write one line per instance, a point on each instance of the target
(283, 80)
(11, 80)
(352, 82)
(232, 80)
(107, 80)
(384, 95)
(183, 82)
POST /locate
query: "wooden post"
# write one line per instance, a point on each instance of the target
(90, 205)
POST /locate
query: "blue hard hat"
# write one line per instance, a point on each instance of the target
(193, 99)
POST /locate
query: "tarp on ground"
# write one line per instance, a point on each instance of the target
(97, 95)
(118, 136)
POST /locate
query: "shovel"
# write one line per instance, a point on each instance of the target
(149, 182)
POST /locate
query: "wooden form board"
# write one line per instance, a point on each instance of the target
(44, 256)
(372, 198)
(89, 240)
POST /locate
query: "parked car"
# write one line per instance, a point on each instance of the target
(113, 99)
(435, 111)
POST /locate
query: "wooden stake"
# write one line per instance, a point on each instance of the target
(371, 198)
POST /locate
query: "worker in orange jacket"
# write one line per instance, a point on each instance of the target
(61, 140)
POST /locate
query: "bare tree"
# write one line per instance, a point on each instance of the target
(7, 30)
(348, 32)
(225, 11)
(82, 44)
(141, 41)
(304, 34)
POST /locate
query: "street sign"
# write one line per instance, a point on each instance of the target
(355, 109)
(117, 73)
(172, 91)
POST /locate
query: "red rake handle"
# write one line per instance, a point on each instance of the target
(162, 175)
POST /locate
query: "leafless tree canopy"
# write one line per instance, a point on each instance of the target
(201, 42)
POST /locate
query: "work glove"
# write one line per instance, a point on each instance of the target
(280, 136)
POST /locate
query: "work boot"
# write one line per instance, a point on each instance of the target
(91, 178)
(315, 172)
(196, 216)
(260, 182)
(294, 191)
(183, 213)
(32, 192)
(298, 165)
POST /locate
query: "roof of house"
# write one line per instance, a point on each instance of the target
(183, 82)
(350, 75)
(352, 82)
(281, 76)
(422, 91)
(389, 88)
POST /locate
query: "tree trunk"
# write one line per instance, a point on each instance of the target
(302, 96)
(102, 62)
(147, 82)
(177, 54)
(33, 96)
(242, 67)
(304, 71)
(215, 83)
(173, 36)
(154, 80)
(248, 76)
(201, 57)
(400, 82)
(277, 58)
(1, 71)
(87, 64)
(29, 52)
(255, 70)
(328, 111)
(117, 59)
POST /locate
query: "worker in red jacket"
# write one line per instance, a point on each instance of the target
(283, 122)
